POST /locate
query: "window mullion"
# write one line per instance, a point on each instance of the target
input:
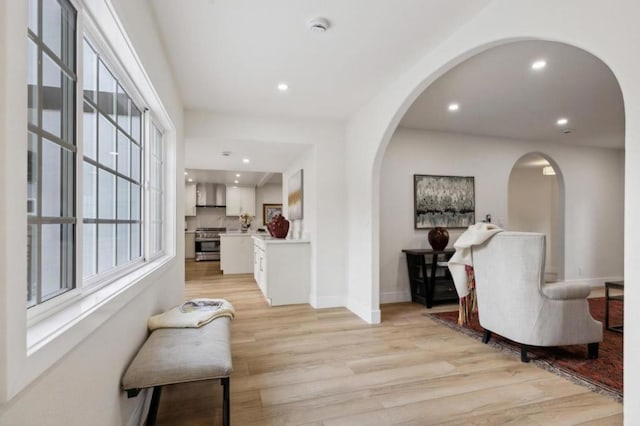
(40, 90)
(145, 214)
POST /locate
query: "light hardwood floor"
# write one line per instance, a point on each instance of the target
(294, 365)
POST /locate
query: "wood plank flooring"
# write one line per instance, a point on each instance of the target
(294, 365)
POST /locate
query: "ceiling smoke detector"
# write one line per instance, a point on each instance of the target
(226, 153)
(318, 25)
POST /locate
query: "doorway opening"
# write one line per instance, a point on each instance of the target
(536, 204)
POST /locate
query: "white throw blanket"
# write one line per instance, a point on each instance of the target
(474, 235)
(193, 313)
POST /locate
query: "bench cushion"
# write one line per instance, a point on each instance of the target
(179, 355)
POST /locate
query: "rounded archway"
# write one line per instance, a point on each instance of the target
(507, 109)
(370, 132)
(536, 204)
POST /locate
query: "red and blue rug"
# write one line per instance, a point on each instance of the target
(603, 375)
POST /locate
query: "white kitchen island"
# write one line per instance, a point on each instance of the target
(282, 269)
(236, 252)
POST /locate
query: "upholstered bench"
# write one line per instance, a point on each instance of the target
(179, 355)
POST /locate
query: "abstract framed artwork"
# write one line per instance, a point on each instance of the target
(295, 195)
(269, 211)
(444, 201)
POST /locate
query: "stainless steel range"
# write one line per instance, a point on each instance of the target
(208, 243)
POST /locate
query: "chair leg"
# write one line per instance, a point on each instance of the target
(486, 336)
(523, 353)
(592, 350)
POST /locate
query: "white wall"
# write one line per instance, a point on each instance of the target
(533, 207)
(319, 148)
(84, 383)
(502, 21)
(266, 194)
(490, 161)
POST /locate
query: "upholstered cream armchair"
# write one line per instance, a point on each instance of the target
(515, 302)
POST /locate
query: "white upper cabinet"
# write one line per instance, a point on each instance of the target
(190, 199)
(241, 199)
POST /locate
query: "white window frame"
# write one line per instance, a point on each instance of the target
(150, 122)
(87, 28)
(34, 346)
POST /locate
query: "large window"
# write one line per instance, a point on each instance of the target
(116, 222)
(51, 145)
(156, 192)
(112, 170)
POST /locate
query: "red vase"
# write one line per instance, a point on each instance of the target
(438, 238)
(278, 227)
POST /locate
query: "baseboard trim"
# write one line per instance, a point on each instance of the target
(395, 297)
(595, 282)
(369, 315)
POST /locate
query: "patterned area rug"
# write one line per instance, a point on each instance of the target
(603, 375)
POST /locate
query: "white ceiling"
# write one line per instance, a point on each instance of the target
(229, 55)
(229, 177)
(500, 95)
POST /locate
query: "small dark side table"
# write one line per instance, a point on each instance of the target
(618, 285)
(429, 277)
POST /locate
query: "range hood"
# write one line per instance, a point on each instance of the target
(211, 195)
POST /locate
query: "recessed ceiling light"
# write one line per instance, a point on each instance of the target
(186, 173)
(189, 180)
(562, 121)
(283, 87)
(538, 65)
(236, 181)
(454, 107)
(246, 160)
(237, 174)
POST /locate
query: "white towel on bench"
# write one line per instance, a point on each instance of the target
(179, 317)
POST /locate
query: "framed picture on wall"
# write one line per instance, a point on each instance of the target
(269, 211)
(295, 196)
(446, 201)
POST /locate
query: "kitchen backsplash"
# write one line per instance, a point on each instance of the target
(212, 217)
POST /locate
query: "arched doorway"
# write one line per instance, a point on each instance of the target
(372, 129)
(505, 110)
(536, 204)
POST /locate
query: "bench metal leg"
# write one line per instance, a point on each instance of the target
(225, 401)
(153, 408)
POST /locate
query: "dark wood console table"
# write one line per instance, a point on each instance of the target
(429, 276)
(618, 285)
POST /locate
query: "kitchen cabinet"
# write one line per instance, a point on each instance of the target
(189, 245)
(190, 199)
(236, 253)
(282, 269)
(241, 199)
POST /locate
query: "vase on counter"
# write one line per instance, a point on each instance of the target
(244, 227)
(438, 238)
(278, 227)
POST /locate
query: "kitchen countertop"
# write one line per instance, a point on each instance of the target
(272, 240)
(242, 234)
